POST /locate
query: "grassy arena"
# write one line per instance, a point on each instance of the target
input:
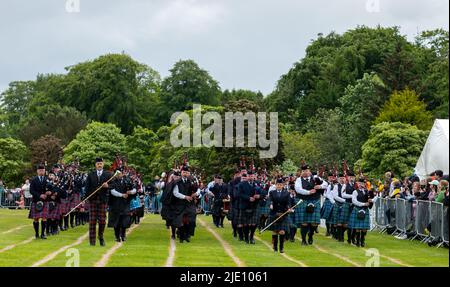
(149, 245)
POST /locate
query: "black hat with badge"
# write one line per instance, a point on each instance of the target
(98, 159)
(280, 180)
(185, 168)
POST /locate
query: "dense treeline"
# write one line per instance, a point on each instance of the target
(351, 97)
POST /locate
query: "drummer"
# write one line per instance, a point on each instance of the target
(219, 191)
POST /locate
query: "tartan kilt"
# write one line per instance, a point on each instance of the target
(327, 210)
(356, 223)
(34, 214)
(264, 210)
(245, 218)
(64, 206)
(75, 199)
(297, 217)
(292, 220)
(344, 217)
(282, 224)
(313, 217)
(233, 214)
(55, 213)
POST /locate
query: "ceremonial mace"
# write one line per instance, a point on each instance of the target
(289, 210)
(95, 191)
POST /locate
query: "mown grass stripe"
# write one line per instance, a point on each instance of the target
(282, 254)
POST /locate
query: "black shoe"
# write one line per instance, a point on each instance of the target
(304, 243)
(43, 236)
(102, 241)
(36, 236)
(172, 237)
(310, 240)
(187, 240)
(252, 241)
(117, 239)
(124, 239)
(281, 251)
(246, 241)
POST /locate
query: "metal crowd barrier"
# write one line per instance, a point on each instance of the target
(436, 220)
(391, 206)
(381, 222)
(422, 224)
(9, 199)
(444, 226)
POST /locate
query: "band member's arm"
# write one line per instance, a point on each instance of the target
(177, 193)
(330, 193)
(336, 194)
(33, 190)
(299, 188)
(324, 184)
(355, 200)
(345, 194)
(116, 193)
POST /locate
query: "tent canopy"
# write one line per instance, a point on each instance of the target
(435, 152)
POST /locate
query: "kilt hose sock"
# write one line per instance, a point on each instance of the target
(36, 228)
(117, 233)
(221, 220)
(292, 232)
(66, 221)
(304, 231)
(275, 242)
(246, 233)
(349, 235)
(282, 236)
(173, 228)
(252, 231)
(312, 230)
(43, 227)
(240, 230)
(47, 227)
(328, 229)
(234, 226)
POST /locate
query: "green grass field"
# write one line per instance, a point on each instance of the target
(149, 245)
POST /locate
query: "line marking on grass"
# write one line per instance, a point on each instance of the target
(393, 260)
(14, 229)
(105, 258)
(225, 244)
(343, 258)
(52, 255)
(9, 247)
(282, 254)
(172, 249)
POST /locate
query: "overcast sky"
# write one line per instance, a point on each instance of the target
(244, 44)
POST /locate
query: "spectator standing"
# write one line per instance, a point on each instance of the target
(26, 192)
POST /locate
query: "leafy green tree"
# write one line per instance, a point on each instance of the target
(13, 160)
(138, 148)
(235, 95)
(298, 147)
(405, 107)
(113, 88)
(96, 140)
(392, 146)
(359, 106)
(186, 85)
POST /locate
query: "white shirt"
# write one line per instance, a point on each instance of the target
(299, 188)
(336, 196)
(177, 193)
(355, 199)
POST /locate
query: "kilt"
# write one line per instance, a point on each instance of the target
(184, 214)
(344, 217)
(327, 210)
(74, 199)
(292, 220)
(118, 219)
(356, 223)
(264, 210)
(305, 217)
(245, 218)
(55, 213)
(64, 206)
(34, 214)
(233, 214)
(297, 217)
(281, 224)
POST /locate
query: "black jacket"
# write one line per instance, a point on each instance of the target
(37, 187)
(281, 201)
(93, 182)
(245, 190)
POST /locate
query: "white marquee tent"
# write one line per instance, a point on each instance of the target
(435, 152)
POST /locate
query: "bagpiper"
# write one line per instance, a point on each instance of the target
(121, 192)
(309, 189)
(348, 205)
(248, 204)
(219, 191)
(39, 205)
(339, 218)
(167, 211)
(360, 218)
(326, 213)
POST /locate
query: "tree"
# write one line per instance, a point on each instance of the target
(113, 88)
(186, 85)
(46, 149)
(392, 146)
(406, 107)
(62, 122)
(298, 147)
(138, 149)
(359, 106)
(235, 95)
(96, 140)
(13, 155)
